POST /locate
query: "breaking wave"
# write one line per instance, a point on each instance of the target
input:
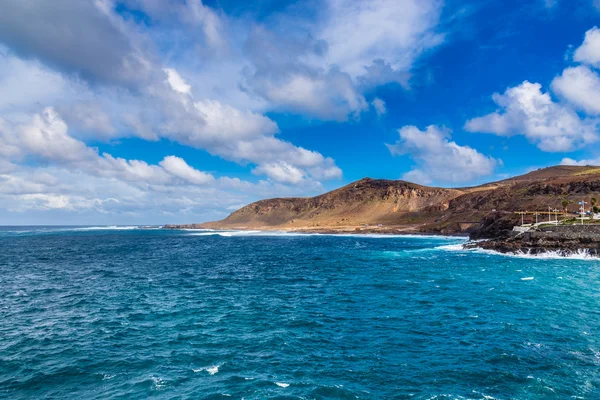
(581, 254)
(232, 233)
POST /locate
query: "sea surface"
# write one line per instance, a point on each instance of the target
(128, 313)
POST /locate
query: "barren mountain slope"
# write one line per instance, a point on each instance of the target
(404, 206)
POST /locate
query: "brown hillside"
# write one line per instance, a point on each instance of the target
(393, 206)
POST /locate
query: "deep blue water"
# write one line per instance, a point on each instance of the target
(133, 314)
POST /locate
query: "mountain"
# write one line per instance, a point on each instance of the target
(388, 206)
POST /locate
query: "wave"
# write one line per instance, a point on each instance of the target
(62, 229)
(105, 228)
(582, 254)
(231, 233)
(211, 370)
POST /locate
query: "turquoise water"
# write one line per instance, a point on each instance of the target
(115, 314)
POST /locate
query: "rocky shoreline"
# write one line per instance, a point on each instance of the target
(563, 240)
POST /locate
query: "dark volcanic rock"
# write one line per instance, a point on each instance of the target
(563, 239)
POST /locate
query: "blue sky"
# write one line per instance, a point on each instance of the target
(155, 111)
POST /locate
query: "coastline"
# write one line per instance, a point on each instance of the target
(562, 240)
(566, 241)
(412, 230)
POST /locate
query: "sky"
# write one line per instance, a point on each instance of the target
(181, 111)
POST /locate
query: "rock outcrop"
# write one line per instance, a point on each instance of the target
(564, 240)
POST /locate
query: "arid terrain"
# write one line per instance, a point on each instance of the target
(388, 206)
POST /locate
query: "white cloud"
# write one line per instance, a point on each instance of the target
(438, 158)
(176, 81)
(328, 96)
(395, 31)
(87, 183)
(162, 108)
(178, 167)
(46, 136)
(570, 161)
(379, 106)
(46, 201)
(324, 71)
(290, 74)
(525, 110)
(589, 51)
(107, 77)
(281, 172)
(580, 86)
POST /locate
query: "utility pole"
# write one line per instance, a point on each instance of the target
(556, 215)
(582, 209)
(522, 218)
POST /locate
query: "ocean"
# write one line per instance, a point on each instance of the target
(128, 313)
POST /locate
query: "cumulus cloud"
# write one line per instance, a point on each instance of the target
(585, 162)
(580, 86)
(589, 51)
(280, 172)
(164, 106)
(241, 136)
(46, 137)
(438, 158)
(79, 179)
(526, 110)
(178, 167)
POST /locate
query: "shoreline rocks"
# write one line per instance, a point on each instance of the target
(564, 240)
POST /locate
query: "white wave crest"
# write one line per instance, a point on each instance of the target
(581, 254)
(231, 233)
(452, 247)
(211, 370)
(281, 384)
(103, 228)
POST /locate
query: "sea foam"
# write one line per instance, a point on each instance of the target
(211, 370)
(233, 233)
(582, 254)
